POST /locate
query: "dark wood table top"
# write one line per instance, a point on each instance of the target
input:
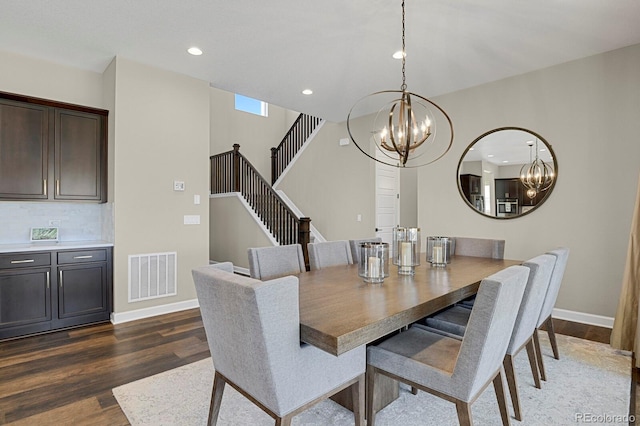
(339, 311)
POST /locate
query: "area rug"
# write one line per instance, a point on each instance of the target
(588, 385)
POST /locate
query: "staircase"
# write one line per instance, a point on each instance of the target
(300, 132)
(232, 172)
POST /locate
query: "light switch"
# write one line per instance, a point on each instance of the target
(359, 218)
(196, 199)
(192, 219)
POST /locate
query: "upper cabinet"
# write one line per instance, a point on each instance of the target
(52, 151)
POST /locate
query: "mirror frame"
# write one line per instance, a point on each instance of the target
(542, 200)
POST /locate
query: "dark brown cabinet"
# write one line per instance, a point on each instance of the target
(42, 291)
(24, 147)
(51, 151)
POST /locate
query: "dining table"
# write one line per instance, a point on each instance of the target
(339, 311)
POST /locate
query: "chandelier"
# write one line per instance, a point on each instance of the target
(536, 176)
(403, 131)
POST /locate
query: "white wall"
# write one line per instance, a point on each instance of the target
(588, 111)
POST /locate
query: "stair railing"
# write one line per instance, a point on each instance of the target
(232, 172)
(297, 135)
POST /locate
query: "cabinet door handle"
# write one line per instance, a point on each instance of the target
(60, 279)
(57, 186)
(22, 261)
(44, 186)
(48, 281)
(83, 257)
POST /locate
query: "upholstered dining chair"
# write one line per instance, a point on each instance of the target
(453, 369)
(266, 263)
(477, 247)
(355, 247)
(329, 253)
(454, 321)
(562, 255)
(253, 332)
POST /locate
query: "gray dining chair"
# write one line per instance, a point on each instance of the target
(455, 320)
(477, 247)
(329, 253)
(266, 263)
(253, 332)
(546, 320)
(355, 247)
(453, 369)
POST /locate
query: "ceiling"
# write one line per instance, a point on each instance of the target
(341, 49)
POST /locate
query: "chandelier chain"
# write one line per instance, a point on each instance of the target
(404, 53)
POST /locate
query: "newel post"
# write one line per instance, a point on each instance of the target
(274, 162)
(304, 237)
(236, 167)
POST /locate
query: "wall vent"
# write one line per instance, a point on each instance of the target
(152, 275)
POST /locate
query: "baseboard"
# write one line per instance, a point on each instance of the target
(583, 318)
(122, 317)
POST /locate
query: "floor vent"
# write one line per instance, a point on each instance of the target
(152, 275)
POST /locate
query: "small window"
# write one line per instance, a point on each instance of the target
(253, 106)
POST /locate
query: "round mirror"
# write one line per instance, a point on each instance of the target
(507, 172)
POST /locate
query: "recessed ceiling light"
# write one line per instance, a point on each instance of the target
(399, 54)
(194, 51)
(505, 161)
(490, 155)
(307, 92)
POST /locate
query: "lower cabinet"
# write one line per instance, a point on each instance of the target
(42, 291)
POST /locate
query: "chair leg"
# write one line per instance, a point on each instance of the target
(513, 385)
(283, 421)
(531, 354)
(357, 396)
(371, 413)
(216, 399)
(552, 337)
(536, 342)
(502, 398)
(414, 390)
(464, 413)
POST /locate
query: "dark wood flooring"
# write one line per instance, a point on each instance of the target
(66, 377)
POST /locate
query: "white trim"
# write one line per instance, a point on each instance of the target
(583, 318)
(119, 318)
(252, 213)
(298, 154)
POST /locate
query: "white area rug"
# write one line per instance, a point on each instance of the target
(589, 384)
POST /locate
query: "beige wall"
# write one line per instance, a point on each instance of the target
(588, 111)
(333, 184)
(33, 77)
(233, 231)
(161, 134)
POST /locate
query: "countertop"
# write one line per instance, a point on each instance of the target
(48, 246)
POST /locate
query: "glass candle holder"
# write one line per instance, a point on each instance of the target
(374, 262)
(406, 249)
(439, 251)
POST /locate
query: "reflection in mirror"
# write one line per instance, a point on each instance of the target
(493, 172)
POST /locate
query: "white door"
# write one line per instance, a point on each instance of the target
(387, 200)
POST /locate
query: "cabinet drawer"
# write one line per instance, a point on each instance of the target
(82, 256)
(24, 260)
